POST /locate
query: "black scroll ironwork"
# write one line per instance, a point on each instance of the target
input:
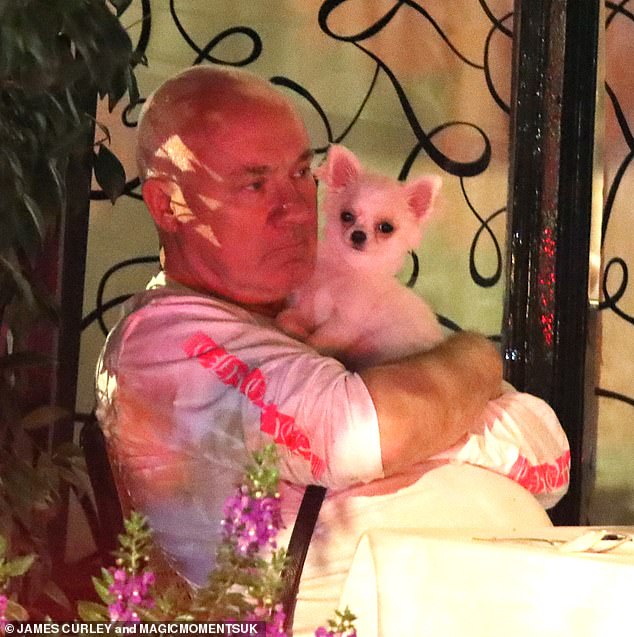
(101, 305)
(616, 267)
(545, 322)
(423, 139)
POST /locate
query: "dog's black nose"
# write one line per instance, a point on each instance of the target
(358, 237)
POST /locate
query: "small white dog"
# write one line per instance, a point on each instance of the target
(354, 308)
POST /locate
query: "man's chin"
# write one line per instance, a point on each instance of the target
(297, 276)
(273, 294)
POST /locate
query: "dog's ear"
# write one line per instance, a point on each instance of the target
(421, 194)
(341, 167)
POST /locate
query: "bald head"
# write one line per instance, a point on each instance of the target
(225, 164)
(202, 98)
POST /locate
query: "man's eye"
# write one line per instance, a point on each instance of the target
(347, 216)
(254, 186)
(385, 227)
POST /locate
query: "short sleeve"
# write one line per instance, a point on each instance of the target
(216, 380)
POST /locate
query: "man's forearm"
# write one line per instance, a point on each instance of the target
(427, 402)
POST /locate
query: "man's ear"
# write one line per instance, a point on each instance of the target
(341, 167)
(157, 194)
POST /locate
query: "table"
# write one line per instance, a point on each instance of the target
(461, 583)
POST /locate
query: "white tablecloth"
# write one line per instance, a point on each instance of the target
(456, 583)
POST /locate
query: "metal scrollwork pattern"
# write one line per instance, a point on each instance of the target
(241, 33)
(362, 32)
(619, 155)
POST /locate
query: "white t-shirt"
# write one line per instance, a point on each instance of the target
(188, 385)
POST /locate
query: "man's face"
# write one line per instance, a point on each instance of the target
(253, 197)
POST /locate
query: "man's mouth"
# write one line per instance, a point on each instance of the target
(294, 248)
(295, 245)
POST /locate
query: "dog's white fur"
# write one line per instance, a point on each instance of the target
(354, 308)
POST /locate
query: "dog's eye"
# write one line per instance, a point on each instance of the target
(347, 216)
(386, 227)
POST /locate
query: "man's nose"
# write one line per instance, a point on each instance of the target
(289, 205)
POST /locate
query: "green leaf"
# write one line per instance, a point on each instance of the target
(120, 5)
(54, 592)
(16, 612)
(20, 281)
(92, 612)
(19, 565)
(109, 173)
(102, 590)
(148, 615)
(81, 483)
(56, 170)
(46, 303)
(44, 416)
(118, 88)
(36, 215)
(76, 475)
(133, 87)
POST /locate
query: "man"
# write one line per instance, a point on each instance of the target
(197, 374)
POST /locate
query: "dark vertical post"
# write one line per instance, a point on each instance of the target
(545, 330)
(575, 400)
(71, 245)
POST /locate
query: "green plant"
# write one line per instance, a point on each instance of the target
(246, 584)
(52, 52)
(12, 569)
(56, 58)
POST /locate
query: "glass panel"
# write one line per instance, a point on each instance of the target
(613, 500)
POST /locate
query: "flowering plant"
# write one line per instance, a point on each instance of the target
(246, 584)
(56, 56)
(9, 568)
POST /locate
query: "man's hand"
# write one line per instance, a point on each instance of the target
(427, 402)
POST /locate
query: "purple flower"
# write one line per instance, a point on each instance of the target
(131, 593)
(252, 522)
(275, 626)
(4, 603)
(274, 619)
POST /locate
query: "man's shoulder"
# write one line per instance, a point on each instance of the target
(160, 314)
(177, 302)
